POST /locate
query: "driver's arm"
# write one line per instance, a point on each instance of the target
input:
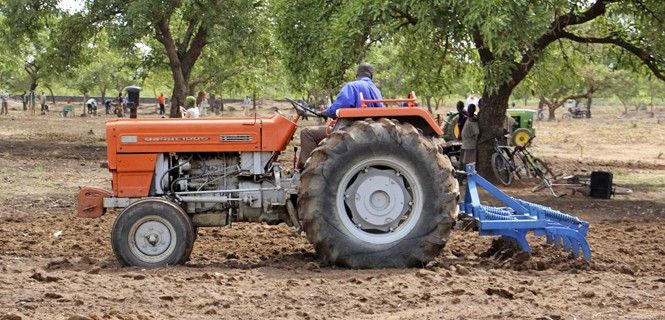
(344, 99)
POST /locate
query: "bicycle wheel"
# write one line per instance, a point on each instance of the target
(501, 169)
(542, 170)
(522, 166)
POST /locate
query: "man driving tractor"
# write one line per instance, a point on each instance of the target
(348, 97)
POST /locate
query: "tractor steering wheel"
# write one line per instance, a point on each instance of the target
(302, 109)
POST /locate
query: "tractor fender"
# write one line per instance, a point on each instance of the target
(418, 117)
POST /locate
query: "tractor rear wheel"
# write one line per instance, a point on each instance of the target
(378, 194)
(152, 233)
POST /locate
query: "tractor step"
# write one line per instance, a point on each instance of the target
(518, 217)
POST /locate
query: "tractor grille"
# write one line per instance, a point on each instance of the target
(235, 138)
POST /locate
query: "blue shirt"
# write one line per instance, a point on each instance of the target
(349, 96)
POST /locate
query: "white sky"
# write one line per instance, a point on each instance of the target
(71, 5)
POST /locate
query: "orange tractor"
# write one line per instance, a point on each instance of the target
(377, 192)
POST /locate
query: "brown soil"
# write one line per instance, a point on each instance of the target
(54, 265)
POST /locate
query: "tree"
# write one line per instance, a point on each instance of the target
(34, 28)
(507, 37)
(248, 64)
(570, 72)
(182, 28)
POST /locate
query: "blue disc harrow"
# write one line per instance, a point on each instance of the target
(518, 217)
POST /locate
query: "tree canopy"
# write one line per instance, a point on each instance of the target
(502, 49)
(506, 39)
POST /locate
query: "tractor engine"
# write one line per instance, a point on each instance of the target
(218, 188)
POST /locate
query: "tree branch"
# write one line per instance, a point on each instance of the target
(653, 63)
(486, 55)
(194, 51)
(182, 46)
(401, 14)
(554, 33)
(570, 19)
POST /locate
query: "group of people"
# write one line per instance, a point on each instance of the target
(30, 99)
(202, 103)
(467, 123)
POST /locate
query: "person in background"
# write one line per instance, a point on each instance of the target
(217, 105)
(33, 102)
(202, 103)
(125, 105)
(245, 105)
(119, 109)
(470, 134)
(348, 97)
(67, 108)
(461, 116)
(192, 111)
(92, 106)
(107, 106)
(4, 109)
(42, 102)
(24, 100)
(162, 102)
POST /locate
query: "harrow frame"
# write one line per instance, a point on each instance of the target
(518, 217)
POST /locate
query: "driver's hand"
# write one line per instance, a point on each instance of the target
(322, 114)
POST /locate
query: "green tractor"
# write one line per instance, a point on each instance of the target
(520, 133)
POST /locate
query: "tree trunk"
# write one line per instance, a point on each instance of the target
(589, 100)
(428, 100)
(221, 101)
(254, 100)
(52, 95)
(541, 102)
(494, 107)
(33, 93)
(85, 111)
(551, 116)
(181, 63)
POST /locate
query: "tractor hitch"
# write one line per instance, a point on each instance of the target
(518, 217)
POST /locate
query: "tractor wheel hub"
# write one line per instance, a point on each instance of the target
(377, 199)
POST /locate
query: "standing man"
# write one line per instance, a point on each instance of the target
(4, 107)
(162, 102)
(461, 117)
(33, 101)
(470, 134)
(348, 97)
(24, 100)
(42, 102)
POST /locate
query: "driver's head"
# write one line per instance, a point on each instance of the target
(365, 70)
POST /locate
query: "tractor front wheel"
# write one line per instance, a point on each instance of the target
(152, 233)
(378, 194)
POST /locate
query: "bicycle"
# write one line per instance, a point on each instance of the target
(535, 167)
(503, 163)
